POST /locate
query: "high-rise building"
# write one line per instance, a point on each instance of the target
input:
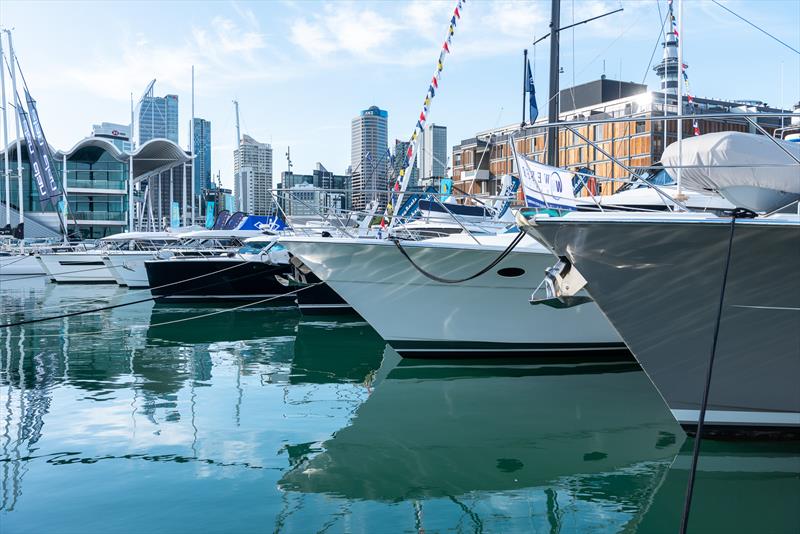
(118, 134)
(400, 160)
(433, 152)
(368, 156)
(252, 168)
(157, 117)
(202, 149)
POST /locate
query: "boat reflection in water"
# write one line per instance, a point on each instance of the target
(301, 425)
(522, 446)
(343, 348)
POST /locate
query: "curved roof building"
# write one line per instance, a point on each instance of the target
(97, 173)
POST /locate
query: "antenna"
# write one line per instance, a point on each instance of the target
(238, 131)
(289, 158)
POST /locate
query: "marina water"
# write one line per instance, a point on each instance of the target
(194, 418)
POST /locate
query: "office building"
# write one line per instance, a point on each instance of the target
(156, 117)
(336, 185)
(399, 162)
(368, 156)
(252, 168)
(202, 151)
(118, 134)
(636, 142)
(307, 200)
(433, 153)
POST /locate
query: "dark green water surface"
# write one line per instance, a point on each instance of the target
(262, 420)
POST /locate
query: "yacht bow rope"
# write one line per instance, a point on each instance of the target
(410, 156)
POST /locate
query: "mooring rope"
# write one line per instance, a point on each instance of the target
(131, 303)
(136, 290)
(736, 213)
(174, 321)
(441, 280)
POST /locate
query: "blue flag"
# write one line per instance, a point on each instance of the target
(534, 109)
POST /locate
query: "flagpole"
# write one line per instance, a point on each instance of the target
(21, 195)
(183, 204)
(680, 98)
(405, 174)
(6, 171)
(524, 84)
(64, 195)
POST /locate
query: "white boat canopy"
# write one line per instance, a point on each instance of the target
(751, 171)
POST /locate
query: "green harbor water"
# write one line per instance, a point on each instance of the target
(137, 419)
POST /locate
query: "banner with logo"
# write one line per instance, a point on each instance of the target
(209, 213)
(33, 153)
(175, 215)
(262, 222)
(45, 157)
(545, 186)
(446, 187)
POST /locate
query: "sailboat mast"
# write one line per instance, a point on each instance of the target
(6, 170)
(21, 196)
(238, 177)
(553, 104)
(192, 149)
(130, 175)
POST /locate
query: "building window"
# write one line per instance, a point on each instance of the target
(598, 132)
(640, 127)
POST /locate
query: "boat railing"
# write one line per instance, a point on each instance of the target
(615, 152)
(307, 216)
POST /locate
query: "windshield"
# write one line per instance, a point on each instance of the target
(658, 177)
(254, 247)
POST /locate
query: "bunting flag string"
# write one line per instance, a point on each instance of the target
(684, 76)
(401, 183)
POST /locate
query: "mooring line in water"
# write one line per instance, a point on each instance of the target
(698, 438)
(28, 276)
(123, 304)
(136, 290)
(201, 316)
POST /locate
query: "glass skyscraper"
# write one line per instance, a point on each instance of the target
(433, 152)
(157, 118)
(368, 145)
(202, 148)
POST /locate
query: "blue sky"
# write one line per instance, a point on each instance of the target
(302, 70)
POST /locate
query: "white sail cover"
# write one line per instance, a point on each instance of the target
(749, 170)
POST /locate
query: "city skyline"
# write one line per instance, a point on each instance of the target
(242, 51)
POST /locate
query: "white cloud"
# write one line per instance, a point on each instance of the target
(343, 28)
(231, 52)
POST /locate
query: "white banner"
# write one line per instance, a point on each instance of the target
(545, 186)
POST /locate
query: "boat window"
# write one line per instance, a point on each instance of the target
(658, 177)
(254, 248)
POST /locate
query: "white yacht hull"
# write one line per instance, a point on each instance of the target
(487, 316)
(127, 268)
(76, 267)
(20, 265)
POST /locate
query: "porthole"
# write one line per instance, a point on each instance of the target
(511, 272)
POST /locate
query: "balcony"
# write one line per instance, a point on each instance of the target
(97, 184)
(98, 215)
